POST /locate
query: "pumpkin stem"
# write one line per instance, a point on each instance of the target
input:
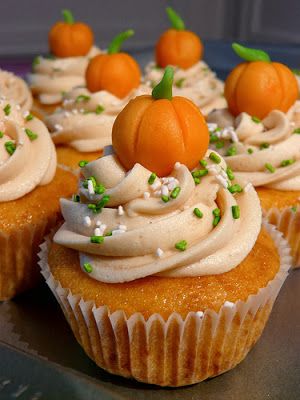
(117, 41)
(249, 54)
(176, 21)
(163, 90)
(68, 16)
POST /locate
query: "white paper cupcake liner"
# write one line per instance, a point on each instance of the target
(287, 221)
(175, 352)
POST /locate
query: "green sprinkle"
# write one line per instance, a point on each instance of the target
(179, 83)
(199, 173)
(231, 151)
(76, 198)
(215, 158)
(198, 213)
(175, 192)
(30, 134)
(82, 163)
(230, 174)
(102, 203)
(264, 146)
(294, 209)
(296, 71)
(87, 267)
(82, 97)
(216, 212)
(165, 198)
(29, 117)
(216, 220)
(10, 147)
(35, 61)
(1, 134)
(92, 207)
(213, 138)
(203, 163)
(99, 109)
(152, 178)
(270, 167)
(297, 130)
(7, 109)
(97, 239)
(99, 189)
(235, 212)
(181, 245)
(235, 188)
(85, 183)
(256, 120)
(285, 163)
(108, 233)
(250, 151)
(197, 181)
(220, 144)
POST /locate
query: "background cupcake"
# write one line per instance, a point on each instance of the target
(259, 135)
(14, 88)
(30, 188)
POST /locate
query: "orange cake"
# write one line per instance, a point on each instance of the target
(259, 135)
(30, 189)
(162, 267)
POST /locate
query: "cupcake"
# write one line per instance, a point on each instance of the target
(30, 188)
(13, 88)
(82, 127)
(259, 135)
(71, 47)
(193, 78)
(166, 277)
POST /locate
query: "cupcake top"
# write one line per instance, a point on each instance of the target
(27, 154)
(14, 88)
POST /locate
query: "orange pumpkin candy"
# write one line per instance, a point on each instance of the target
(178, 46)
(69, 38)
(116, 72)
(157, 131)
(260, 86)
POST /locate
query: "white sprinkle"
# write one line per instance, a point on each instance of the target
(222, 181)
(87, 221)
(247, 187)
(58, 127)
(213, 169)
(212, 126)
(67, 114)
(177, 165)
(164, 190)
(74, 111)
(159, 252)
(156, 184)
(292, 123)
(228, 304)
(21, 142)
(26, 113)
(200, 314)
(98, 232)
(18, 107)
(146, 195)
(122, 227)
(98, 222)
(117, 232)
(172, 185)
(120, 210)
(91, 189)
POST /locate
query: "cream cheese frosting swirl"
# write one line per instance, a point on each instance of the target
(85, 120)
(52, 77)
(27, 154)
(142, 225)
(267, 152)
(198, 83)
(14, 88)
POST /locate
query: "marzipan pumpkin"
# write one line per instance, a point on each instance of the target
(178, 46)
(159, 130)
(70, 38)
(259, 85)
(115, 72)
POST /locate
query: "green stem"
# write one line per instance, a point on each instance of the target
(117, 41)
(176, 21)
(163, 90)
(250, 54)
(68, 16)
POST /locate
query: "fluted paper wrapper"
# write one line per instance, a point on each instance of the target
(287, 221)
(175, 352)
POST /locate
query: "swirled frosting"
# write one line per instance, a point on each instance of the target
(267, 152)
(139, 227)
(52, 77)
(85, 120)
(27, 153)
(197, 83)
(14, 88)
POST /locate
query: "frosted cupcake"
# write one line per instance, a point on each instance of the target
(71, 47)
(30, 188)
(82, 126)
(259, 134)
(192, 77)
(192, 231)
(14, 88)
